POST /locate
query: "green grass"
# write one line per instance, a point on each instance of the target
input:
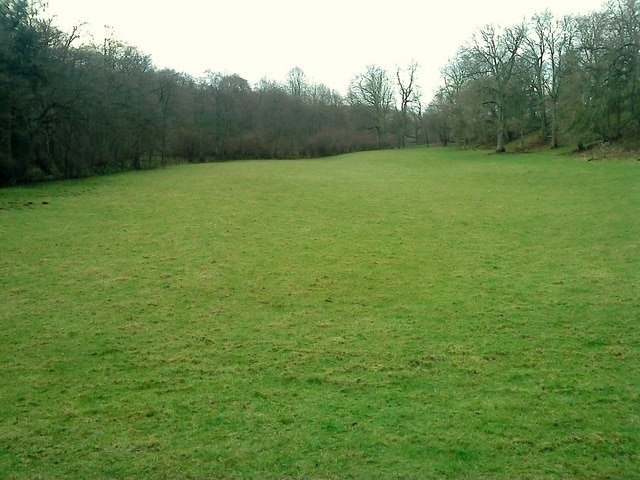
(424, 313)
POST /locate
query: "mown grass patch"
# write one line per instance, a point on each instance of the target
(418, 313)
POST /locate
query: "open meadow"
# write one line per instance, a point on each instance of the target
(421, 313)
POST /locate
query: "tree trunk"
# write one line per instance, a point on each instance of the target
(404, 130)
(544, 121)
(7, 163)
(6, 148)
(137, 164)
(554, 123)
(501, 127)
(544, 124)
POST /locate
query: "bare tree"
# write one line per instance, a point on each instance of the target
(546, 48)
(297, 83)
(559, 41)
(456, 74)
(407, 95)
(321, 95)
(373, 90)
(537, 56)
(496, 54)
(608, 43)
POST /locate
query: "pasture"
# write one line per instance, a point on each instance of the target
(424, 313)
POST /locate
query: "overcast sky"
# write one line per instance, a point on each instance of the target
(331, 40)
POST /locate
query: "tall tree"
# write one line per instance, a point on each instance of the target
(495, 54)
(536, 55)
(373, 91)
(407, 89)
(559, 41)
(452, 123)
(593, 106)
(297, 83)
(623, 39)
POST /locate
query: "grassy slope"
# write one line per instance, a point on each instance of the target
(409, 313)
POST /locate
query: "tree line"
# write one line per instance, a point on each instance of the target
(575, 78)
(70, 109)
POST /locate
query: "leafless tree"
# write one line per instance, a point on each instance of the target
(406, 85)
(559, 41)
(495, 54)
(297, 83)
(537, 56)
(373, 90)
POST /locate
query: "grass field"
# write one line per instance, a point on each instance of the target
(424, 313)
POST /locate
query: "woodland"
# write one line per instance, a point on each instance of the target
(71, 108)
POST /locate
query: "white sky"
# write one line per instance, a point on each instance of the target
(331, 40)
